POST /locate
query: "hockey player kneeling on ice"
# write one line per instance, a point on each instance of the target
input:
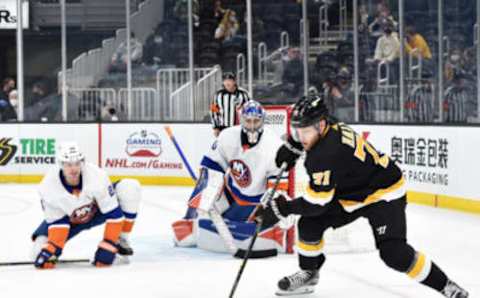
(77, 196)
(232, 181)
(348, 179)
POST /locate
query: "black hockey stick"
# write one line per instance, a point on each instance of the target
(257, 230)
(67, 261)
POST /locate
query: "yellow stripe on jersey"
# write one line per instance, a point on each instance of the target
(376, 196)
(318, 197)
(418, 266)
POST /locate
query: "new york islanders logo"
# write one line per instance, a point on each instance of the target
(83, 214)
(241, 173)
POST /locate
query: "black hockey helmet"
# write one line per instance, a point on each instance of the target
(308, 111)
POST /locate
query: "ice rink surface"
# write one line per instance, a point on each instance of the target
(158, 269)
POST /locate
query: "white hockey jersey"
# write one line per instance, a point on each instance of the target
(248, 168)
(97, 193)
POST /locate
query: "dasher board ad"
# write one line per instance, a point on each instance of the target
(438, 160)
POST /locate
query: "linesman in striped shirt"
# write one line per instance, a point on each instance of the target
(228, 100)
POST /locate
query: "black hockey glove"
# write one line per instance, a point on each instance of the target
(275, 210)
(48, 256)
(105, 254)
(289, 153)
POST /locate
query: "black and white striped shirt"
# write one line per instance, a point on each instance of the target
(223, 110)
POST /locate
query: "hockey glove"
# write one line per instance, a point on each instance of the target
(105, 254)
(272, 213)
(289, 153)
(47, 258)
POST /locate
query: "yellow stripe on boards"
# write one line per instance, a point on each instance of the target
(144, 180)
(444, 201)
(20, 178)
(159, 180)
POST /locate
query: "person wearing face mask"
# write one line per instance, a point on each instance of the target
(13, 97)
(387, 50)
(7, 111)
(233, 179)
(454, 65)
(341, 96)
(388, 45)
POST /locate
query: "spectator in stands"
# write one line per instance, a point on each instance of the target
(341, 95)
(388, 45)
(8, 85)
(470, 55)
(363, 18)
(181, 11)
(416, 41)
(49, 108)
(13, 97)
(292, 77)
(7, 112)
(119, 58)
(228, 27)
(39, 91)
(219, 11)
(454, 67)
(383, 15)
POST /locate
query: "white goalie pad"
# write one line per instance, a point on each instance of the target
(213, 191)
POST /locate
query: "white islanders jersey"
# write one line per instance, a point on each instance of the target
(250, 168)
(97, 193)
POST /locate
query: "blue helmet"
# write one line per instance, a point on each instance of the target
(252, 120)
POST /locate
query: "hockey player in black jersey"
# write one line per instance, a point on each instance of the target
(348, 179)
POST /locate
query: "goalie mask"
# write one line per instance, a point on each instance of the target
(252, 121)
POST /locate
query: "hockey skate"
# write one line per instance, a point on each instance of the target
(301, 282)
(124, 248)
(452, 290)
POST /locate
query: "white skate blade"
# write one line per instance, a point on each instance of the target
(300, 291)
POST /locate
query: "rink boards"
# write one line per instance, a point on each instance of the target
(439, 162)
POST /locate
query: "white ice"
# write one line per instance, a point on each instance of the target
(158, 269)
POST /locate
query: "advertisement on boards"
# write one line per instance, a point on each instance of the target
(439, 160)
(30, 149)
(8, 14)
(155, 150)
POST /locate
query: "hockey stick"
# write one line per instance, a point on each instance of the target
(67, 261)
(257, 231)
(223, 230)
(169, 132)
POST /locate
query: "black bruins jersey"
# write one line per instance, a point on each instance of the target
(343, 166)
